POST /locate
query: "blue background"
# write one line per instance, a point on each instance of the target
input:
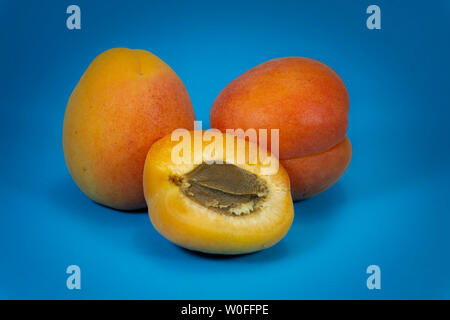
(391, 208)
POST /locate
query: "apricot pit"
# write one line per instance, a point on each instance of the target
(224, 187)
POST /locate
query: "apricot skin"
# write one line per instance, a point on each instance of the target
(126, 100)
(312, 174)
(192, 226)
(303, 98)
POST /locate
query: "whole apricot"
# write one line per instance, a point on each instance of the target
(124, 102)
(303, 98)
(308, 103)
(218, 204)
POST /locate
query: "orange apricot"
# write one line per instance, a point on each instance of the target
(124, 102)
(303, 98)
(308, 103)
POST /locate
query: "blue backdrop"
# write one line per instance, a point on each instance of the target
(391, 208)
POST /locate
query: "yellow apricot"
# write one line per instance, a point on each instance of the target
(231, 207)
(126, 100)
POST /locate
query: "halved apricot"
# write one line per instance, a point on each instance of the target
(218, 204)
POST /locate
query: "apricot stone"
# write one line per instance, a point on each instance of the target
(124, 102)
(231, 207)
(303, 98)
(312, 174)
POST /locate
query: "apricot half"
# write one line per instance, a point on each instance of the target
(218, 204)
(126, 100)
(308, 103)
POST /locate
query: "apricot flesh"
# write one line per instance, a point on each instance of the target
(313, 174)
(214, 224)
(124, 102)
